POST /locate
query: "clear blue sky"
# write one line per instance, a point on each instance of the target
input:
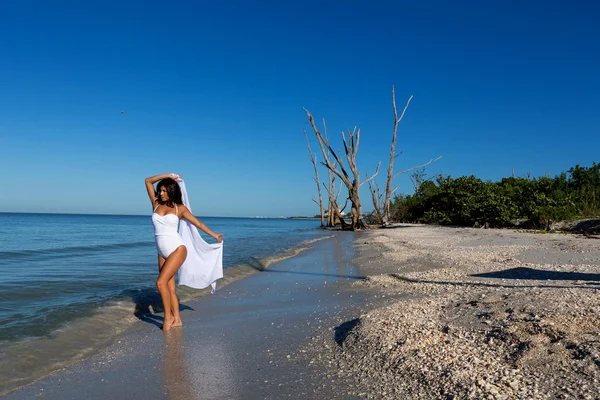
(215, 91)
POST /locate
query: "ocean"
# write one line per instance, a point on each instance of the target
(71, 283)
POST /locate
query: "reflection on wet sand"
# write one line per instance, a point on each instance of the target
(197, 368)
(176, 375)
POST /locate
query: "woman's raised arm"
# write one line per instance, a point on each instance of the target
(150, 181)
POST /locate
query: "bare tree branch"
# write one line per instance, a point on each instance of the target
(333, 212)
(376, 198)
(313, 159)
(355, 139)
(345, 204)
(418, 166)
(333, 209)
(324, 143)
(372, 176)
(346, 144)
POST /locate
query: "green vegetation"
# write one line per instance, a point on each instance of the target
(535, 202)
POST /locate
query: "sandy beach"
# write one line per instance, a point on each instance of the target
(474, 313)
(410, 312)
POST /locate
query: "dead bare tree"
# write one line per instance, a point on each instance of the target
(334, 216)
(332, 208)
(418, 178)
(385, 214)
(313, 159)
(376, 196)
(353, 183)
(334, 213)
(339, 217)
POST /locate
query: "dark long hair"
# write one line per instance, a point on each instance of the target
(173, 190)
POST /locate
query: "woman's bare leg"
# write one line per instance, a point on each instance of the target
(174, 298)
(167, 272)
(161, 262)
(174, 303)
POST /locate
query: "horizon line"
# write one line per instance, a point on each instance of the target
(145, 215)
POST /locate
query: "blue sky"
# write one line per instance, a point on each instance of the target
(215, 91)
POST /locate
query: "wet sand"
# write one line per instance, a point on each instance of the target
(247, 341)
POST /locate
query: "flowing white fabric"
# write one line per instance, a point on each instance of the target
(204, 262)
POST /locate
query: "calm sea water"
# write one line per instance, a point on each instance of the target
(66, 277)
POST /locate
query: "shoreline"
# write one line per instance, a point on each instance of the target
(242, 342)
(30, 359)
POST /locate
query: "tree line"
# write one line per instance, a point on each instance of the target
(524, 201)
(464, 201)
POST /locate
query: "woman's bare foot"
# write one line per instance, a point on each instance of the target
(176, 323)
(167, 325)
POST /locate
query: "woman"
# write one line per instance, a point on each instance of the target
(168, 209)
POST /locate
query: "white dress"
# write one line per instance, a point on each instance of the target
(204, 262)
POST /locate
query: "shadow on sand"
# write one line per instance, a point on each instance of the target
(539, 275)
(342, 331)
(519, 273)
(147, 304)
(398, 227)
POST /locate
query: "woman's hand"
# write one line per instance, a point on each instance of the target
(176, 177)
(219, 237)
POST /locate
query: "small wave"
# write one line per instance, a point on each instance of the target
(311, 229)
(311, 241)
(263, 263)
